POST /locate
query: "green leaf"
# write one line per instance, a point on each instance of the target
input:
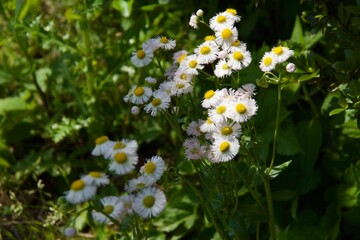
(287, 142)
(297, 33)
(336, 111)
(306, 77)
(4, 162)
(150, 7)
(11, 104)
(353, 9)
(123, 6)
(275, 171)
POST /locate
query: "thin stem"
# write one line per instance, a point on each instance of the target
(309, 100)
(277, 121)
(270, 206)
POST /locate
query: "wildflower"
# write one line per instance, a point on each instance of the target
(150, 80)
(80, 192)
(239, 59)
(232, 14)
(226, 36)
(220, 21)
(199, 13)
(142, 57)
(218, 114)
(211, 98)
(268, 62)
(194, 128)
(193, 149)
(102, 145)
(224, 150)
(282, 53)
(149, 202)
(222, 69)
(180, 87)
(290, 67)
(191, 64)
(226, 130)
(247, 90)
(181, 76)
(166, 43)
(242, 109)
(179, 56)
(123, 163)
(112, 206)
(125, 145)
(207, 52)
(138, 95)
(194, 21)
(161, 101)
(96, 178)
(166, 86)
(154, 168)
(139, 183)
(208, 126)
(127, 202)
(135, 110)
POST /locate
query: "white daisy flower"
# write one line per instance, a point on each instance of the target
(138, 95)
(166, 43)
(102, 145)
(96, 178)
(194, 21)
(268, 62)
(191, 65)
(242, 109)
(142, 57)
(247, 90)
(282, 53)
(222, 54)
(194, 150)
(224, 150)
(125, 145)
(161, 101)
(180, 87)
(138, 183)
(226, 36)
(212, 98)
(232, 14)
(127, 202)
(207, 52)
(150, 80)
(80, 192)
(222, 69)
(149, 202)
(180, 76)
(151, 45)
(226, 130)
(194, 128)
(166, 87)
(239, 59)
(208, 126)
(220, 21)
(154, 168)
(218, 114)
(122, 163)
(210, 39)
(112, 206)
(179, 56)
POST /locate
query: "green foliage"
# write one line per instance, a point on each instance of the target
(65, 68)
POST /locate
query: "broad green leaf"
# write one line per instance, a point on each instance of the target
(353, 9)
(11, 104)
(287, 142)
(336, 111)
(4, 163)
(275, 171)
(123, 6)
(150, 7)
(306, 77)
(297, 33)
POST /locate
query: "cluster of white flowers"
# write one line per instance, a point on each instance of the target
(217, 138)
(277, 55)
(142, 195)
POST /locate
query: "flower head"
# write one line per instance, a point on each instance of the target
(149, 202)
(96, 178)
(102, 145)
(224, 150)
(268, 62)
(142, 57)
(161, 101)
(112, 206)
(80, 191)
(154, 168)
(282, 53)
(123, 163)
(138, 94)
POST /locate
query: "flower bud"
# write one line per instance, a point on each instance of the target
(290, 67)
(199, 13)
(135, 110)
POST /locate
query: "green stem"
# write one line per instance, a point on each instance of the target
(174, 125)
(277, 121)
(208, 209)
(270, 206)
(309, 100)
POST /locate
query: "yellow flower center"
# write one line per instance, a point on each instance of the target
(164, 40)
(119, 145)
(108, 209)
(193, 63)
(183, 76)
(140, 185)
(149, 168)
(240, 108)
(226, 33)
(226, 130)
(209, 94)
(208, 121)
(156, 102)
(236, 43)
(181, 58)
(205, 50)
(267, 61)
(278, 50)
(225, 66)
(101, 140)
(238, 56)
(77, 185)
(149, 201)
(96, 174)
(209, 38)
(121, 157)
(232, 11)
(139, 91)
(140, 54)
(224, 147)
(179, 85)
(221, 109)
(221, 19)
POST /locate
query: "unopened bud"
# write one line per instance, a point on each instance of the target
(199, 13)
(135, 110)
(290, 67)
